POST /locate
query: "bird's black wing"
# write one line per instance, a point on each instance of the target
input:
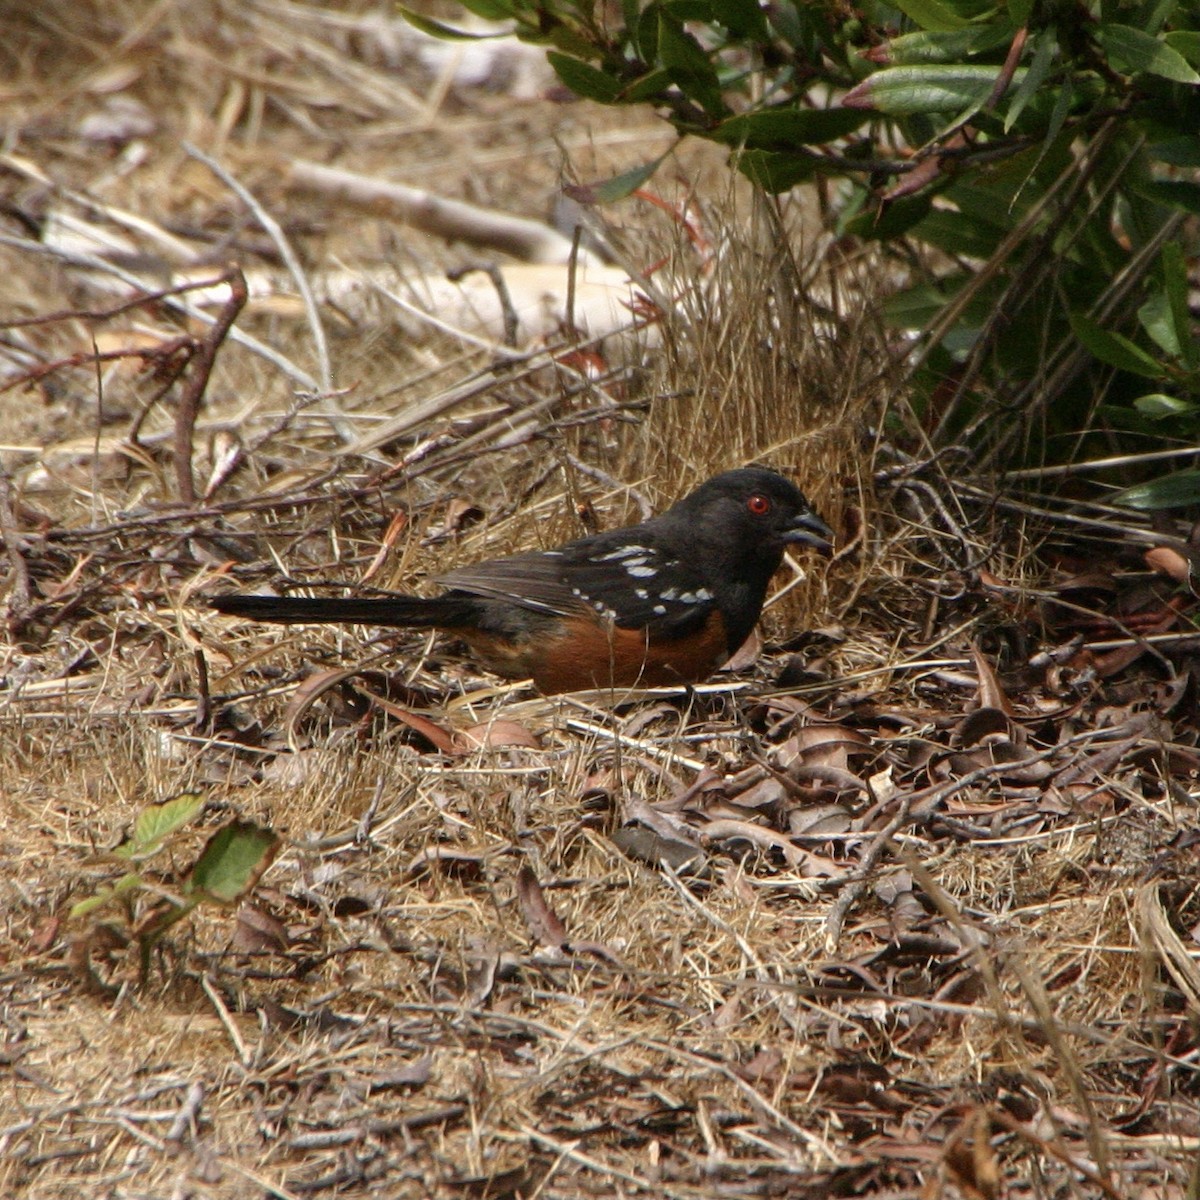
(625, 578)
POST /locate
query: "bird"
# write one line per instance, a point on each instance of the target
(659, 604)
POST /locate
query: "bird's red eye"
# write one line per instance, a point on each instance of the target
(759, 505)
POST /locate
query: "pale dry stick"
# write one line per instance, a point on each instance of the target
(512, 323)
(226, 1019)
(765, 1108)
(375, 1127)
(1031, 510)
(175, 248)
(514, 427)
(503, 352)
(268, 1187)
(529, 241)
(188, 1116)
(1134, 638)
(568, 1150)
(425, 411)
(1059, 470)
(969, 549)
(291, 260)
(92, 263)
(1035, 992)
(139, 1135)
(799, 576)
(1114, 512)
(645, 509)
(612, 735)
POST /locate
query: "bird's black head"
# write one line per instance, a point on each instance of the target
(755, 513)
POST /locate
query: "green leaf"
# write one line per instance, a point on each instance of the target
(1178, 490)
(743, 18)
(649, 87)
(1045, 46)
(231, 863)
(646, 32)
(1156, 319)
(157, 822)
(490, 10)
(915, 307)
(619, 186)
(895, 218)
(1175, 193)
(777, 128)
(1187, 43)
(447, 33)
(1174, 265)
(914, 49)
(1183, 151)
(1113, 348)
(700, 11)
(1141, 51)
(583, 79)
(631, 14)
(776, 172)
(957, 233)
(569, 40)
(1157, 406)
(932, 14)
(905, 91)
(689, 66)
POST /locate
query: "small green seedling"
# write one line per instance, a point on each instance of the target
(228, 867)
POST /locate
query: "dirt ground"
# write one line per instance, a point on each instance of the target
(906, 904)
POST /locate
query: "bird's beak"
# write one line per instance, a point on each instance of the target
(809, 530)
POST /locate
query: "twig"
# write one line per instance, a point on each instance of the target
(849, 894)
(188, 1114)
(92, 262)
(203, 700)
(227, 1021)
(376, 1127)
(19, 588)
(512, 323)
(592, 472)
(295, 268)
(197, 381)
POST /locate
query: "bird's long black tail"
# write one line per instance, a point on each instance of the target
(444, 612)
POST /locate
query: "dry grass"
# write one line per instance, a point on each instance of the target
(973, 978)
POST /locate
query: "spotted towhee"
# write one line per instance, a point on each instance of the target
(657, 604)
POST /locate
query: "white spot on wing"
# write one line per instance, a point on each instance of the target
(640, 572)
(623, 552)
